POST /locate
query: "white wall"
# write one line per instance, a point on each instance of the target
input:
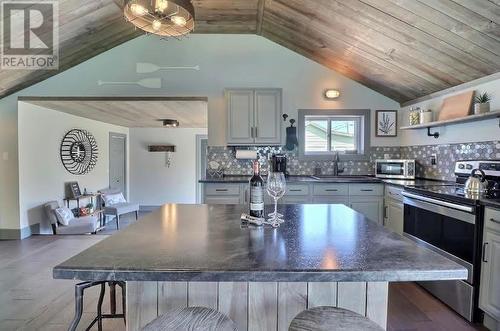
(225, 60)
(41, 173)
(461, 133)
(152, 183)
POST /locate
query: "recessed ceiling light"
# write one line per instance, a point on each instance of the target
(332, 94)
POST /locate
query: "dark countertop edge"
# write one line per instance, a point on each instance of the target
(490, 203)
(262, 276)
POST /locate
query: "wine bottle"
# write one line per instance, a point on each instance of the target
(256, 192)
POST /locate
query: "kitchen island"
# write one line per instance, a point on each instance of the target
(261, 277)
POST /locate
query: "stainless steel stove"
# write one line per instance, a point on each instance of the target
(448, 220)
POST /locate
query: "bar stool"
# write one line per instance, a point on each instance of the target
(331, 319)
(192, 318)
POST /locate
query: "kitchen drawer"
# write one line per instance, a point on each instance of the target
(394, 192)
(222, 189)
(331, 189)
(366, 189)
(492, 219)
(297, 189)
(222, 200)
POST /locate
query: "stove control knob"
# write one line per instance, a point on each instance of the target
(469, 167)
(461, 166)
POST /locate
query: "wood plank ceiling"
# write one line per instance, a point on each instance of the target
(403, 49)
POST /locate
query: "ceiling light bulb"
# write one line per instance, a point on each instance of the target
(332, 94)
(138, 9)
(156, 25)
(161, 5)
(179, 20)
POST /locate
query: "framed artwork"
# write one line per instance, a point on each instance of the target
(386, 123)
(74, 189)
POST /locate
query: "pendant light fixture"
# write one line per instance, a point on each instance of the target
(166, 18)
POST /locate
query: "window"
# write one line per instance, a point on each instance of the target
(324, 132)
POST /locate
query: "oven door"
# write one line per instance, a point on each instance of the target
(444, 227)
(391, 169)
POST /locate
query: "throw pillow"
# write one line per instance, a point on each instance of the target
(64, 215)
(113, 199)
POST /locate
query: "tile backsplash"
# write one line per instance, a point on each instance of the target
(447, 154)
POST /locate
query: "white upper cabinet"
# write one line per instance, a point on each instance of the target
(254, 116)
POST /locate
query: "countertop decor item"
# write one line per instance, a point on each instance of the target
(78, 152)
(456, 106)
(482, 103)
(169, 149)
(425, 116)
(414, 116)
(386, 123)
(172, 18)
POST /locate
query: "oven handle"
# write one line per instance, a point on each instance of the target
(438, 202)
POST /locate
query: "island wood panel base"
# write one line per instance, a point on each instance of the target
(255, 306)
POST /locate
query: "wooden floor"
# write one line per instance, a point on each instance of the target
(31, 300)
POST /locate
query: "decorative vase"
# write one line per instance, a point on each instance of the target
(481, 108)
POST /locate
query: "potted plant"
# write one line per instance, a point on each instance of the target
(482, 103)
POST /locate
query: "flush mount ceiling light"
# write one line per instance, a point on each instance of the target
(170, 123)
(332, 94)
(172, 18)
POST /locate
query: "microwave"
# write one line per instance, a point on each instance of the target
(397, 169)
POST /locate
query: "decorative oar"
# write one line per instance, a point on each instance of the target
(146, 68)
(146, 82)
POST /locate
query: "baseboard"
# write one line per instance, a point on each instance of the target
(490, 323)
(17, 234)
(148, 208)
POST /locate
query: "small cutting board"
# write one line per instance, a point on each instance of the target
(456, 106)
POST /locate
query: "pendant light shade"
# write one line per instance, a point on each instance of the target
(166, 18)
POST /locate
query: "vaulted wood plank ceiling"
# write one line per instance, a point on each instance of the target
(403, 49)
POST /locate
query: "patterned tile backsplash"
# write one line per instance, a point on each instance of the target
(447, 155)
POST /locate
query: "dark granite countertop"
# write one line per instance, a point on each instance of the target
(340, 179)
(208, 243)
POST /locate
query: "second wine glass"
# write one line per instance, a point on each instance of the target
(276, 187)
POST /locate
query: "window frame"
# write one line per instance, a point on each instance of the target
(364, 122)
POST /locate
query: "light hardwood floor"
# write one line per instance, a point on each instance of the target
(31, 300)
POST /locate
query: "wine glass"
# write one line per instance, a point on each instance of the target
(276, 187)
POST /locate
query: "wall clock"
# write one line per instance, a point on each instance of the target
(79, 152)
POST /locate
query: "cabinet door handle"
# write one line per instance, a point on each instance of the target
(251, 132)
(246, 196)
(221, 190)
(494, 220)
(295, 190)
(367, 190)
(331, 190)
(484, 252)
(385, 211)
(256, 132)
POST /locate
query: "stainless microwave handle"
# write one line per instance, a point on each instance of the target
(439, 202)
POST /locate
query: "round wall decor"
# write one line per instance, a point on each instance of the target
(79, 152)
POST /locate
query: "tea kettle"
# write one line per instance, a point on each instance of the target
(476, 183)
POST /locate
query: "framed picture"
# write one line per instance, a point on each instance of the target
(74, 190)
(386, 123)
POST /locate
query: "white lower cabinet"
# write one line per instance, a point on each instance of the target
(489, 293)
(394, 208)
(394, 216)
(364, 198)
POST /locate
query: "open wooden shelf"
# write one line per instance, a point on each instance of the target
(467, 119)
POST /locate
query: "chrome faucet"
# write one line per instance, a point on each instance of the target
(336, 160)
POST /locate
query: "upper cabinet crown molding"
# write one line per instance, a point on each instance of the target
(254, 116)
